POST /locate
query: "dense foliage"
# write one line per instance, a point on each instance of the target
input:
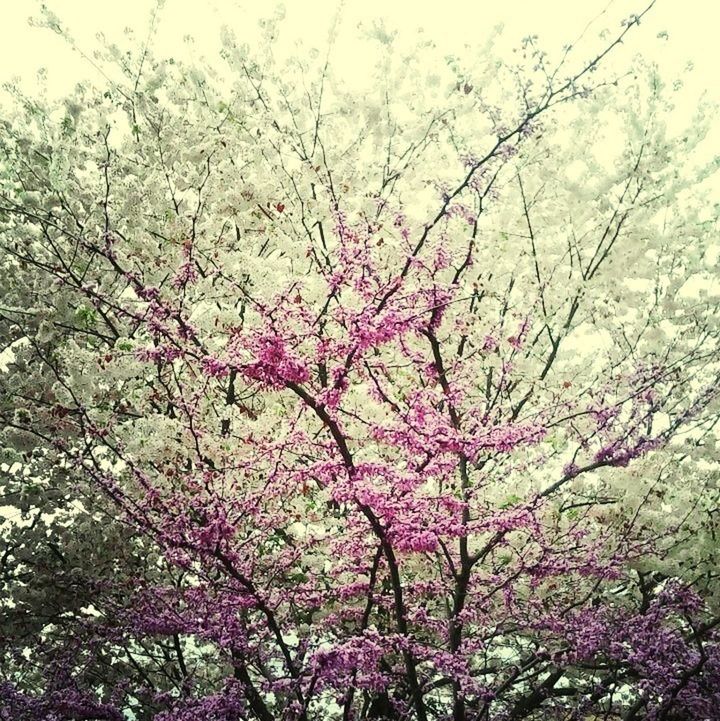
(327, 406)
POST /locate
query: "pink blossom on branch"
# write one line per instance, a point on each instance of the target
(325, 442)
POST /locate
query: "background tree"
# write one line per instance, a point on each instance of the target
(396, 407)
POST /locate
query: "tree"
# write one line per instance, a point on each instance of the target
(327, 407)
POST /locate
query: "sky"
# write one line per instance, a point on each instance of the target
(691, 26)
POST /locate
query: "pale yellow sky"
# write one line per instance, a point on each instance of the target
(691, 25)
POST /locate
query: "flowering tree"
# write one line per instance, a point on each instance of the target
(327, 407)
